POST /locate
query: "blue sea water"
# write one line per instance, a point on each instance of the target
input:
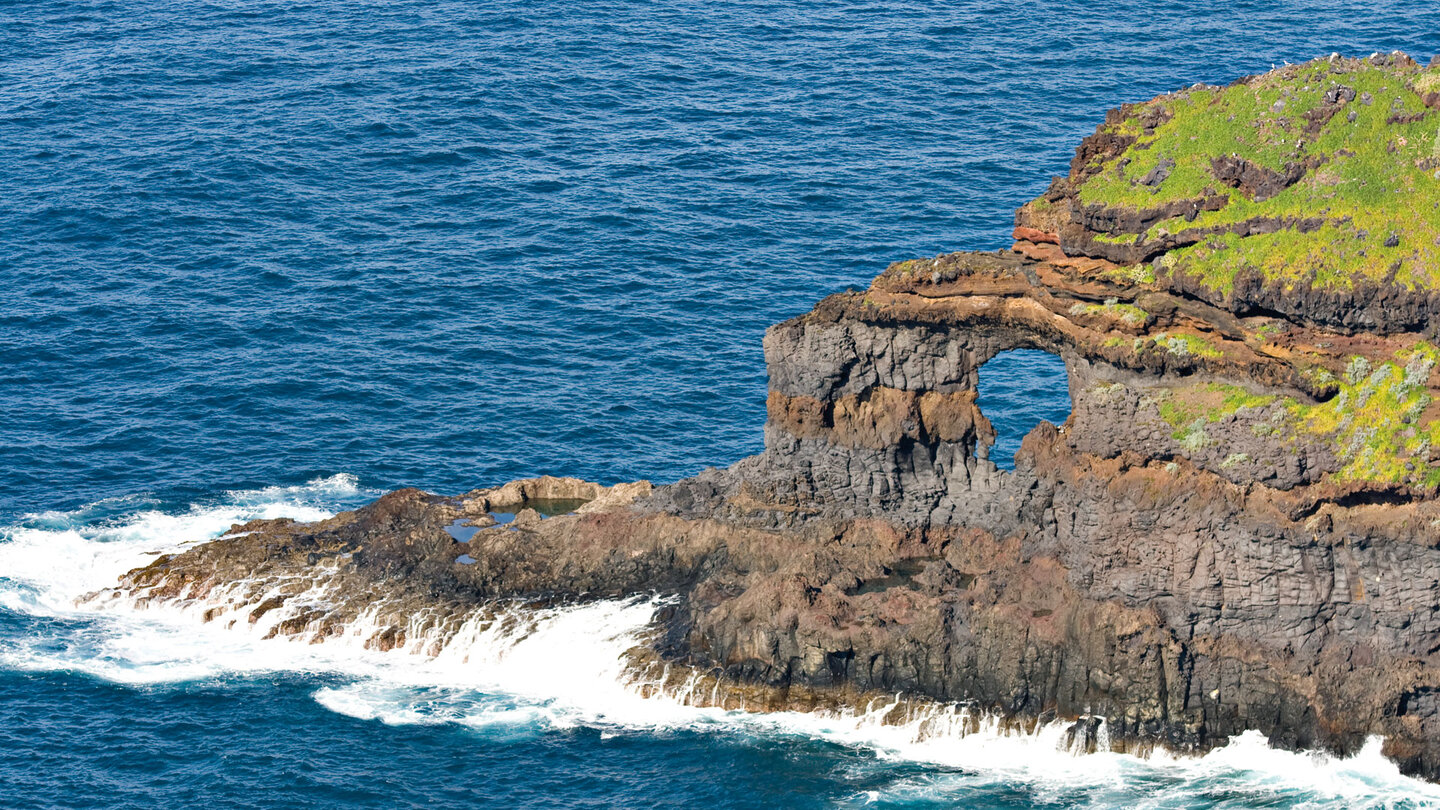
(273, 258)
(1017, 389)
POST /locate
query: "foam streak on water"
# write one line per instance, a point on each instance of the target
(530, 670)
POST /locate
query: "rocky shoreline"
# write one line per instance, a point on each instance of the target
(1236, 529)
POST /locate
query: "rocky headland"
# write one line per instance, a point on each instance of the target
(1237, 528)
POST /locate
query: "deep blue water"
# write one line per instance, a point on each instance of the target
(195, 747)
(247, 246)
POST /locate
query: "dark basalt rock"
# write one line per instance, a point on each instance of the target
(1256, 182)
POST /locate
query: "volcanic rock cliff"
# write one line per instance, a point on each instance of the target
(1237, 528)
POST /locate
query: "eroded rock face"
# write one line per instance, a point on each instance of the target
(1236, 529)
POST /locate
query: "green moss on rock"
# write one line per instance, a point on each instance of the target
(1112, 310)
(1208, 402)
(1376, 420)
(1184, 344)
(1378, 425)
(1323, 175)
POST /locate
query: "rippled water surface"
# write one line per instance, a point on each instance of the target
(272, 258)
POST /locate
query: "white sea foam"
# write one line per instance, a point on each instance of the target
(528, 670)
(49, 560)
(1245, 773)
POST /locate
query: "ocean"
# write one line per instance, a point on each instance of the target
(275, 258)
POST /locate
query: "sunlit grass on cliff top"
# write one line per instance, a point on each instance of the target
(1372, 174)
(1365, 210)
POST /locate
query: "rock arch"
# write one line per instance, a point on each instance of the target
(1017, 390)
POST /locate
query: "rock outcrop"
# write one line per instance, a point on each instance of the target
(1237, 528)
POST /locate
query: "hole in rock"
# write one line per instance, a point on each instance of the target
(1018, 390)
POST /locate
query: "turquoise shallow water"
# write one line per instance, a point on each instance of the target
(273, 258)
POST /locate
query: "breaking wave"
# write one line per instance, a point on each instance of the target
(527, 670)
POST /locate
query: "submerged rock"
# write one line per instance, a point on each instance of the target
(1237, 528)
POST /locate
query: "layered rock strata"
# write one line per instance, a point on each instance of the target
(1236, 528)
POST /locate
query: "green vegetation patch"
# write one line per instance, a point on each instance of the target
(1375, 419)
(1211, 402)
(1379, 424)
(1137, 274)
(1348, 145)
(1113, 310)
(1182, 344)
(1338, 255)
